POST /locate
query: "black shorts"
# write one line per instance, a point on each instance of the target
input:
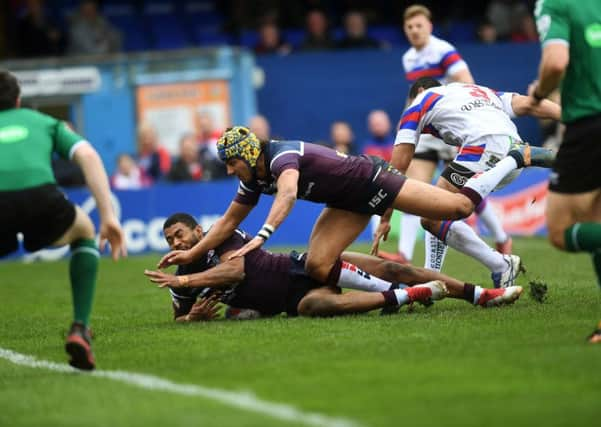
(456, 174)
(577, 168)
(43, 214)
(429, 155)
(378, 193)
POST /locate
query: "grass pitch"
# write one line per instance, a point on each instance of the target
(452, 364)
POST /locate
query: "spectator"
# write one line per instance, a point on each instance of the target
(37, 35)
(270, 40)
(487, 33)
(206, 138)
(128, 175)
(381, 139)
(524, 30)
(90, 33)
(503, 13)
(318, 34)
(260, 127)
(153, 160)
(342, 137)
(188, 166)
(356, 36)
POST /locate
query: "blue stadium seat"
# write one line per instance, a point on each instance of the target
(165, 25)
(124, 16)
(293, 36)
(249, 38)
(461, 32)
(389, 34)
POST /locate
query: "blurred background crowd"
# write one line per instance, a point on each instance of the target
(37, 29)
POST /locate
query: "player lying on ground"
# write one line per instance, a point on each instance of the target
(478, 120)
(277, 283)
(32, 204)
(353, 188)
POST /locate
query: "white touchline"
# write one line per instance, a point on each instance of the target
(242, 400)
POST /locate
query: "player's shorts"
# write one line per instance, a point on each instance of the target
(433, 149)
(577, 168)
(479, 156)
(42, 214)
(375, 194)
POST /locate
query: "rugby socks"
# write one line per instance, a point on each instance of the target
(409, 228)
(83, 269)
(436, 250)
(461, 237)
(492, 222)
(585, 237)
(395, 297)
(480, 185)
(471, 293)
(352, 277)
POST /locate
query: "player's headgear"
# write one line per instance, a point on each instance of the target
(239, 142)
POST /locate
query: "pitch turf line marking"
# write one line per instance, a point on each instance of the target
(242, 400)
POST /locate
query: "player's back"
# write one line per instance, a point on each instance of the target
(27, 140)
(466, 112)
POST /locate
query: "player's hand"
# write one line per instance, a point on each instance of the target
(175, 258)
(531, 89)
(110, 230)
(381, 233)
(255, 243)
(164, 279)
(204, 309)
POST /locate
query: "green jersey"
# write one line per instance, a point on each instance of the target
(27, 140)
(577, 24)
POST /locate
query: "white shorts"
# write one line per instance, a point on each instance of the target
(428, 142)
(485, 153)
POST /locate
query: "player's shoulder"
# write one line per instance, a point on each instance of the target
(440, 45)
(409, 54)
(33, 115)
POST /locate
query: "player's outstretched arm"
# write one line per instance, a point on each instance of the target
(545, 109)
(282, 205)
(221, 230)
(221, 276)
(89, 161)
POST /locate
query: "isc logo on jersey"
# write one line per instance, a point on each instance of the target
(12, 134)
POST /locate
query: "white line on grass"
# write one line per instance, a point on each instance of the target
(242, 400)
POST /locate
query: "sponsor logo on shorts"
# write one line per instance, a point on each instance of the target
(457, 179)
(377, 199)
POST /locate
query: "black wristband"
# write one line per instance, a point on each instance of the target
(536, 96)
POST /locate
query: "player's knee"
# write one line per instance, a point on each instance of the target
(316, 306)
(428, 224)
(556, 237)
(84, 227)
(317, 270)
(464, 207)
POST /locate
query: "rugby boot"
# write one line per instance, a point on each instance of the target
(494, 297)
(526, 155)
(427, 292)
(507, 278)
(79, 346)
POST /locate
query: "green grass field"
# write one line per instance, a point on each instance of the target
(453, 364)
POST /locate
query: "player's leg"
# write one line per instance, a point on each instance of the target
(334, 231)
(83, 270)
(492, 222)
(328, 301)
(410, 275)
(421, 170)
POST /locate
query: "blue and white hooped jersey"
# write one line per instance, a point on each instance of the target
(438, 59)
(460, 114)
